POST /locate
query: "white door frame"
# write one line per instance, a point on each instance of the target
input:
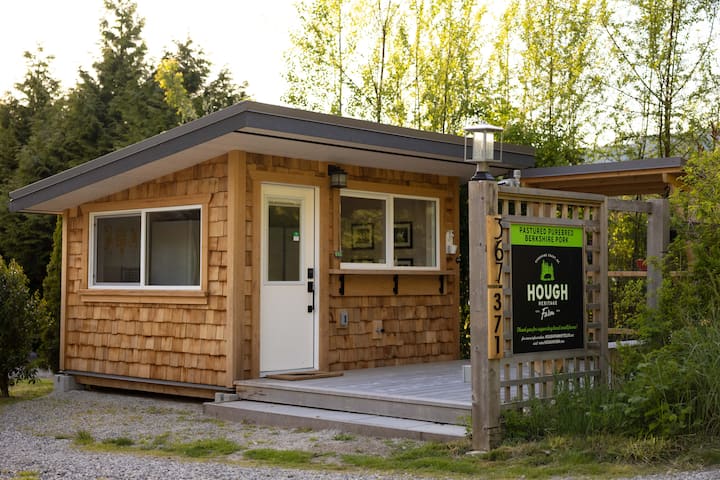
(288, 301)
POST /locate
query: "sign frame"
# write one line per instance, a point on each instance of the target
(548, 295)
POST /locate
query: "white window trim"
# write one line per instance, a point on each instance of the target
(142, 212)
(389, 199)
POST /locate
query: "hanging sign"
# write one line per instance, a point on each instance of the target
(547, 287)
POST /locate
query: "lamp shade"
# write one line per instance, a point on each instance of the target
(483, 142)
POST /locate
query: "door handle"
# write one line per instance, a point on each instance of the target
(311, 288)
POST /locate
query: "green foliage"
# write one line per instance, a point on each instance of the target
(45, 131)
(120, 441)
(206, 448)
(673, 390)
(676, 389)
(543, 81)
(575, 409)
(83, 437)
(627, 302)
(409, 63)
(50, 335)
(663, 55)
(200, 448)
(22, 314)
(627, 233)
(282, 457)
(693, 297)
(430, 458)
(183, 77)
(28, 390)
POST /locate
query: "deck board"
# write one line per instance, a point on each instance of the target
(440, 382)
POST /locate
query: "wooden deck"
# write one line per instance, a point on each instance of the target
(432, 392)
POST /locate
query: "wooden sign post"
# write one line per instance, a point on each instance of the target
(482, 202)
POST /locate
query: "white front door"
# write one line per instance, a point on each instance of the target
(288, 307)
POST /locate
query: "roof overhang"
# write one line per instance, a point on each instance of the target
(265, 129)
(635, 177)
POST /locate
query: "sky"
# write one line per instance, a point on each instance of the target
(248, 37)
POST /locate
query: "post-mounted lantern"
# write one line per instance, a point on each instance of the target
(483, 143)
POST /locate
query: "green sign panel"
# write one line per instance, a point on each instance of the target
(546, 236)
(547, 287)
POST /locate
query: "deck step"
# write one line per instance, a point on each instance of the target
(396, 406)
(292, 416)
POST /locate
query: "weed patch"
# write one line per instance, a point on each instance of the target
(281, 457)
(206, 448)
(83, 437)
(119, 442)
(27, 475)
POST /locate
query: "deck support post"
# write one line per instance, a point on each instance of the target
(658, 238)
(482, 201)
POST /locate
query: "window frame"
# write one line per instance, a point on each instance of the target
(389, 199)
(143, 214)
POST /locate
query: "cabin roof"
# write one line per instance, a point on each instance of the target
(265, 129)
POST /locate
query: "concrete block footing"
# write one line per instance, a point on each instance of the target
(65, 383)
(467, 373)
(226, 397)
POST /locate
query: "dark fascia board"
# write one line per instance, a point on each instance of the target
(250, 116)
(607, 167)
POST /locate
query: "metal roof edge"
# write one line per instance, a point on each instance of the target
(605, 167)
(236, 118)
(133, 149)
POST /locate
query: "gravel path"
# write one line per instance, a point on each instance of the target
(37, 437)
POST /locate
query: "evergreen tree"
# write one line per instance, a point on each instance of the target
(51, 288)
(27, 128)
(183, 77)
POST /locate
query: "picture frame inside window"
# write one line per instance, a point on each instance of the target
(362, 236)
(402, 235)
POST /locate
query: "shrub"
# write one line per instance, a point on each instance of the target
(22, 315)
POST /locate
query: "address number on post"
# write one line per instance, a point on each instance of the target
(495, 259)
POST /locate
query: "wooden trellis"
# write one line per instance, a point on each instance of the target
(502, 378)
(532, 375)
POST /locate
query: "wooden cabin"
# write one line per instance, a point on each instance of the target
(256, 240)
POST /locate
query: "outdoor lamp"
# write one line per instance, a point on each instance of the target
(482, 149)
(338, 176)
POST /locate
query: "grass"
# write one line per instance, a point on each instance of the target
(280, 457)
(599, 456)
(27, 391)
(161, 445)
(26, 475)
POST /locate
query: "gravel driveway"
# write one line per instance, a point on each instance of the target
(37, 437)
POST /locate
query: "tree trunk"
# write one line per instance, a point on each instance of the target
(4, 385)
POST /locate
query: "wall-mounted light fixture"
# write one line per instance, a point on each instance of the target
(338, 176)
(483, 143)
